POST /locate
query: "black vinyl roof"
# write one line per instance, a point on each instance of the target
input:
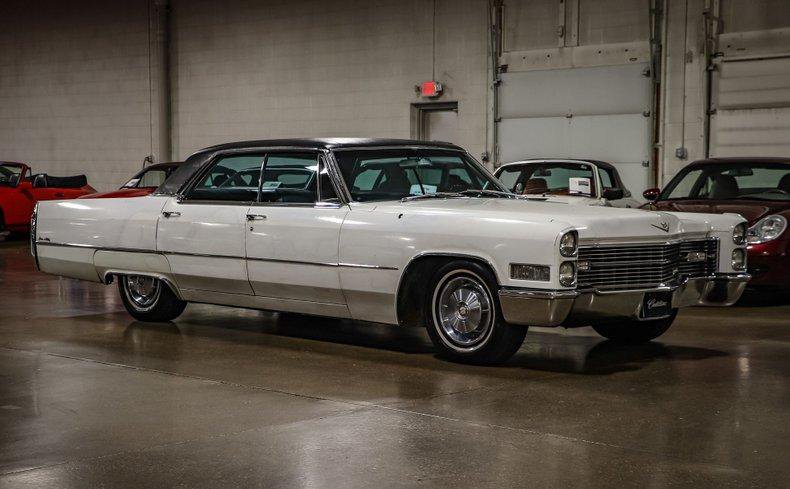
(181, 176)
(330, 143)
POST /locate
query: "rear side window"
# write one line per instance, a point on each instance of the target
(231, 178)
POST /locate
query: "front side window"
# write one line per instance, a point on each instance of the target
(393, 174)
(756, 181)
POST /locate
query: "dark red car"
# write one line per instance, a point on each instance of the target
(144, 183)
(756, 188)
(20, 189)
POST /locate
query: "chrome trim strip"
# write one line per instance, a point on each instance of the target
(204, 255)
(637, 241)
(537, 293)
(372, 267)
(41, 242)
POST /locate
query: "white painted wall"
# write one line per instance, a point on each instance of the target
(74, 87)
(78, 84)
(324, 68)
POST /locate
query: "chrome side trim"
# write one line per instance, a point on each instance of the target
(538, 293)
(41, 242)
(370, 267)
(202, 255)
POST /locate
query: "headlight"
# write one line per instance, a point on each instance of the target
(568, 274)
(569, 243)
(767, 229)
(739, 234)
(738, 259)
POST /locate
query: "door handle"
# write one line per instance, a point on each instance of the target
(255, 217)
(171, 214)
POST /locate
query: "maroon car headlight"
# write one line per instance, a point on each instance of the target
(767, 229)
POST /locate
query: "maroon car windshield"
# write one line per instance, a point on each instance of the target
(727, 181)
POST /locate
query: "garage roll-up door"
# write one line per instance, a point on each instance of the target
(598, 112)
(751, 98)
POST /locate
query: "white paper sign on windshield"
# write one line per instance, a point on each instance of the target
(579, 186)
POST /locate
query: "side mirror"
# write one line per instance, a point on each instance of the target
(651, 193)
(613, 193)
(40, 181)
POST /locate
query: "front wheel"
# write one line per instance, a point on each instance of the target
(149, 299)
(463, 316)
(633, 331)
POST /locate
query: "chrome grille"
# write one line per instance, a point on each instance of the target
(636, 266)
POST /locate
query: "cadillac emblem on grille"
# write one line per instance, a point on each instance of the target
(662, 226)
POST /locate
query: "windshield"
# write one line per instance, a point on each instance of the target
(394, 174)
(9, 175)
(153, 177)
(550, 178)
(756, 181)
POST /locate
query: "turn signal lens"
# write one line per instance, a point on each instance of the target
(738, 259)
(520, 271)
(568, 274)
(739, 234)
(569, 244)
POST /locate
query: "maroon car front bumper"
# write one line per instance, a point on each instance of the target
(769, 264)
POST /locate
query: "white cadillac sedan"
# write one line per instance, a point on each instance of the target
(394, 231)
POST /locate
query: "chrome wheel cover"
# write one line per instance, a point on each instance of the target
(143, 292)
(463, 311)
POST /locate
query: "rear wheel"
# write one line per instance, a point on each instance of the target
(633, 331)
(149, 299)
(463, 316)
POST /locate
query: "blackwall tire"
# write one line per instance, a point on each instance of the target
(149, 299)
(463, 316)
(634, 331)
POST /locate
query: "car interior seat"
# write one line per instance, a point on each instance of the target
(784, 184)
(724, 187)
(396, 182)
(536, 186)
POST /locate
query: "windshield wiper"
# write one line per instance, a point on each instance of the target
(489, 193)
(435, 195)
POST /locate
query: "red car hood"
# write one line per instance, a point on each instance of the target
(752, 210)
(124, 192)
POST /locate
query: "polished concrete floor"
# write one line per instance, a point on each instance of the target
(234, 398)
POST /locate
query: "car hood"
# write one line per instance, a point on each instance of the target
(752, 210)
(124, 192)
(592, 222)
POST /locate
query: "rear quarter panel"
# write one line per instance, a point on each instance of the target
(69, 232)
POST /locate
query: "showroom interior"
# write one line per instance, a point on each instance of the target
(312, 385)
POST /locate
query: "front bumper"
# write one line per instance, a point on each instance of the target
(534, 307)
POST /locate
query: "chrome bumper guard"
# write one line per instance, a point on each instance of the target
(534, 307)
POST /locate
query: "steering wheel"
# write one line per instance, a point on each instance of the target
(776, 191)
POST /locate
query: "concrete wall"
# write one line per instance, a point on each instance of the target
(74, 87)
(79, 83)
(242, 70)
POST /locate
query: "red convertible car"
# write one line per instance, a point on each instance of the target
(20, 190)
(143, 183)
(756, 188)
